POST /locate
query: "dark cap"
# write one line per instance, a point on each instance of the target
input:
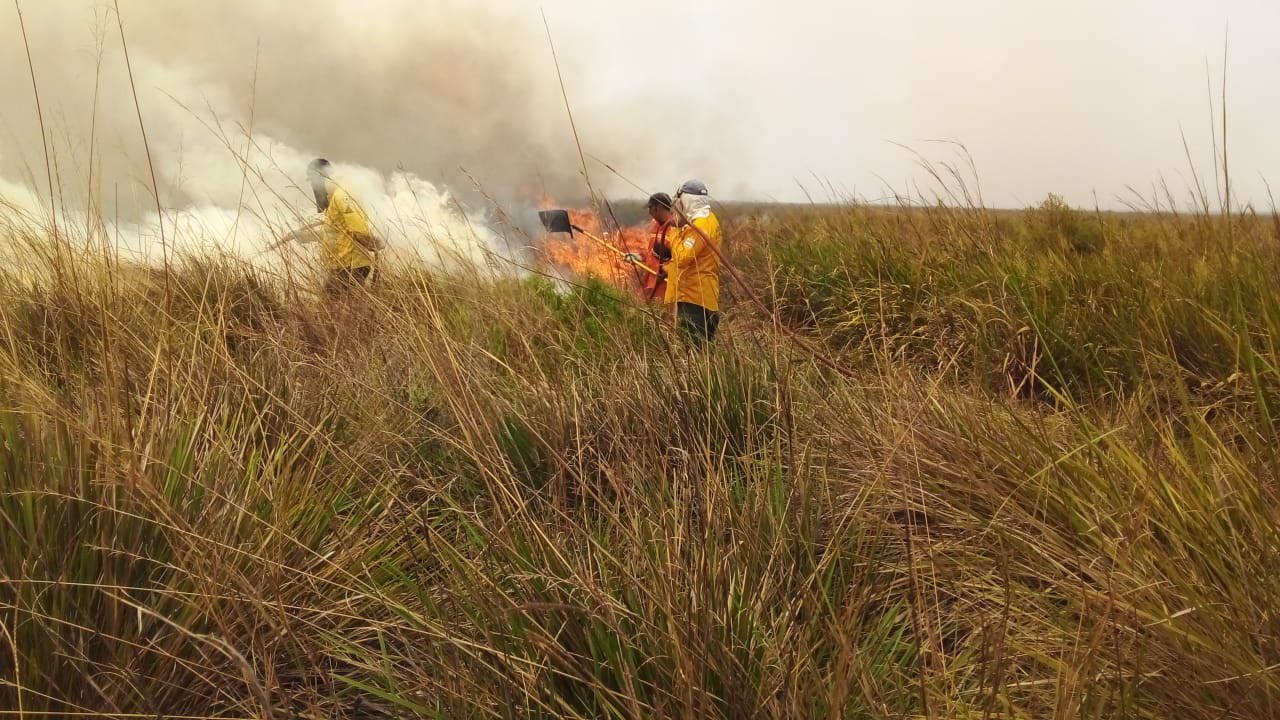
(661, 200)
(692, 187)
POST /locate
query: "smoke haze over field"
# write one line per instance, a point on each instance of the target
(755, 97)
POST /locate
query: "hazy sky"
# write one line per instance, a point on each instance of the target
(756, 97)
(1073, 97)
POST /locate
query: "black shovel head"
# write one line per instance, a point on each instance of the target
(556, 221)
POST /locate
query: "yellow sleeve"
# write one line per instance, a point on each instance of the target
(348, 214)
(690, 246)
(685, 247)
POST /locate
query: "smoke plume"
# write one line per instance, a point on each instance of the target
(431, 111)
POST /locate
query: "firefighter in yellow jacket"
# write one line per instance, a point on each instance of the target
(693, 275)
(347, 242)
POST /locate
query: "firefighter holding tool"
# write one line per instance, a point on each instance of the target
(658, 253)
(664, 231)
(347, 243)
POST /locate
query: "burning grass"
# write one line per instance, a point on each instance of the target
(583, 257)
(1050, 494)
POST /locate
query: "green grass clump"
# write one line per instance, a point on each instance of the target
(1008, 307)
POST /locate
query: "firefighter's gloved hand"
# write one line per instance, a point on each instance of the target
(633, 258)
(662, 274)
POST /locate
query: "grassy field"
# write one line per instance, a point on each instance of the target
(1046, 489)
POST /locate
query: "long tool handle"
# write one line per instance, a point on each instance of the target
(622, 254)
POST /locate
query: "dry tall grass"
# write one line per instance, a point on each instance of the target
(1051, 493)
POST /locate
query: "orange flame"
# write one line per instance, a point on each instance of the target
(583, 257)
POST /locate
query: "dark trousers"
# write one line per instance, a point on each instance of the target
(343, 280)
(697, 322)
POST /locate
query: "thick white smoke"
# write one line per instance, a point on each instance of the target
(224, 187)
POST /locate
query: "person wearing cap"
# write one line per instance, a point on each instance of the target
(347, 242)
(659, 252)
(693, 275)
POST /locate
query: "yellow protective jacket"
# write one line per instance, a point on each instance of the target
(344, 220)
(693, 275)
